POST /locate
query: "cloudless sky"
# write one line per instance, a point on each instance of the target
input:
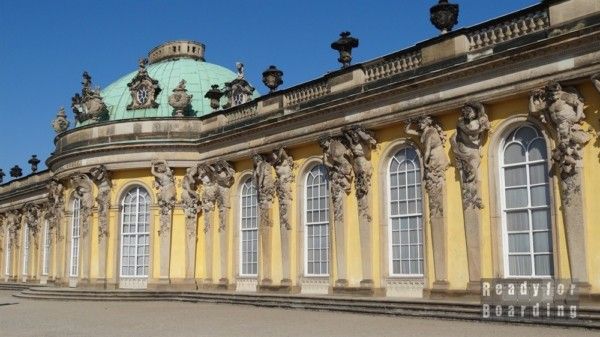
(45, 46)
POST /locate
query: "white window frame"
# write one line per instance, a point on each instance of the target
(136, 234)
(46, 251)
(307, 224)
(248, 230)
(505, 245)
(75, 238)
(25, 267)
(391, 217)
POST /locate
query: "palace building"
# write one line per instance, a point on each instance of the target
(472, 155)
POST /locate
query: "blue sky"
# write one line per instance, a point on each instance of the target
(45, 46)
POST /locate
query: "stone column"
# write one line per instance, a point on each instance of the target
(224, 255)
(265, 189)
(563, 110)
(208, 246)
(573, 213)
(284, 171)
(337, 158)
(360, 143)
(435, 161)
(165, 185)
(102, 178)
(472, 124)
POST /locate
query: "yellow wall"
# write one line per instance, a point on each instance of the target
(498, 113)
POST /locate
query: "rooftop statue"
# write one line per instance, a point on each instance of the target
(89, 105)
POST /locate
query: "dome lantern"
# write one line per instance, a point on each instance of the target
(177, 49)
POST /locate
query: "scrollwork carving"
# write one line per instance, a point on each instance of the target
(435, 161)
(143, 89)
(224, 175)
(56, 206)
(562, 108)
(472, 124)
(337, 158)
(31, 214)
(13, 223)
(102, 178)
(164, 183)
(83, 186)
(180, 99)
(190, 199)
(210, 192)
(284, 170)
(89, 105)
(265, 188)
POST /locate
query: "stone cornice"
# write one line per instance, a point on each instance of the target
(372, 105)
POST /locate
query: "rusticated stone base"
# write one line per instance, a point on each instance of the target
(354, 291)
(279, 289)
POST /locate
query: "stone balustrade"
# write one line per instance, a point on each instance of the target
(242, 113)
(304, 93)
(388, 67)
(512, 28)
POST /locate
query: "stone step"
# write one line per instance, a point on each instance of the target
(589, 316)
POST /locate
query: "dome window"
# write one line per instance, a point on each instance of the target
(238, 91)
(144, 89)
(142, 95)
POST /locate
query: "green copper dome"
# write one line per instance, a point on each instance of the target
(169, 67)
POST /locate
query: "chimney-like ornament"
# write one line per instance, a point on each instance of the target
(272, 78)
(34, 162)
(344, 46)
(444, 16)
(214, 95)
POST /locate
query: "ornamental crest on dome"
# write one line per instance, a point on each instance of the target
(143, 88)
(238, 91)
(89, 105)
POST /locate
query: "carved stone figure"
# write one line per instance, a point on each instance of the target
(56, 205)
(31, 214)
(83, 186)
(164, 183)
(13, 223)
(89, 105)
(180, 100)
(60, 123)
(224, 175)
(596, 81)
(361, 142)
(466, 145)
(143, 88)
(190, 199)
(102, 178)
(435, 161)
(238, 91)
(210, 192)
(265, 188)
(284, 170)
(337, 158)
(563, 109)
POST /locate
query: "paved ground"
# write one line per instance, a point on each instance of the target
(19, 317)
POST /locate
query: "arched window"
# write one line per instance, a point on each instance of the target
(527, 231)
(25, 250)
(75, 226)
(135, 233)
(248, 229)
(406, 215)
(316, 243)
